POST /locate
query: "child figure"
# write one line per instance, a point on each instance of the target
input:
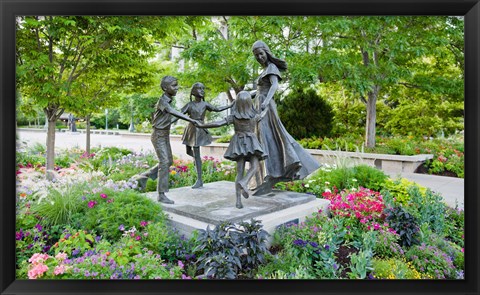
(244, 145)
(194, 137)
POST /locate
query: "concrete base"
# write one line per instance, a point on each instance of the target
(215, 203)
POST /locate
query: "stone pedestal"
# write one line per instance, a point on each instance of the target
(215, 203)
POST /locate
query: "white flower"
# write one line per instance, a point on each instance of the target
(307, 185)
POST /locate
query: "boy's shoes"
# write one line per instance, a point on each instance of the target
(163, 199)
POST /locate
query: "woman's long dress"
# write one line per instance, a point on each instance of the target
(286, 159)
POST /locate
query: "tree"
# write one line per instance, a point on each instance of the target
(53, 52)
(300, 123)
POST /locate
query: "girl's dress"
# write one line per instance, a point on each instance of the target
(193, 136)
(244, 142)
(287, 159)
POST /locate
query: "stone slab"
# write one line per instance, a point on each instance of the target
(215, 203)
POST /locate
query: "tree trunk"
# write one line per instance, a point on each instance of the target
(87, 134)
(51, 147)
(371, 117)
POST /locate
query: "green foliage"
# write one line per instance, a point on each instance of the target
(127, 208)
(455, 226)
(387, 245)
(399, 190)
(230, 250)
(394, 269)
(301, 124)
(369, 177)
(60, 206)
(71, 240)
(162, 239)
(432, 261)
(404, 224)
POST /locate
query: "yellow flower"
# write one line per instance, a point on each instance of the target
(173, 172)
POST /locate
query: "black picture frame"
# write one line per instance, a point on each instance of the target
(470, 9)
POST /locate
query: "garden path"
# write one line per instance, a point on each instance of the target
(451, 188)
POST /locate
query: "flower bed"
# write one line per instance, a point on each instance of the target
(92, 223)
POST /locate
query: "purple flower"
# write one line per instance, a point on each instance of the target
(46, 248)
(180, 264)
(143, 223)
(68, 235)
(121, 227)
(19, 235)
(98, 238)
(327, 247)
(138, 238)
(103, 196)
(38, 227)
(29, 246)
(84, 198)
(75, 252)
(300, 243)
(313, 244)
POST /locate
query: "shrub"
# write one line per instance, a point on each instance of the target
(432, 261)
(162, 239)
(109, 211)
(399, 190)
(228, 249)
(305, 124)
(454, 225)
(387, 245)
(404, 224)
(394, 269)
(369, 177)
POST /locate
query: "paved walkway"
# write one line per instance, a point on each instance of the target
(451, 188)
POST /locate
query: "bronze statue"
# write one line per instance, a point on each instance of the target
(244, 145)
(163, 117)
(194, 137)
(286, 159)
(71, 123)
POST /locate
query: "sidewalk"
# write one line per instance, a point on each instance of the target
(451, 188)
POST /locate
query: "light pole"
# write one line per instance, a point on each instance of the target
(106, 119)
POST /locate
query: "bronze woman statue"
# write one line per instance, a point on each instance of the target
(286, 159)
(194, 137)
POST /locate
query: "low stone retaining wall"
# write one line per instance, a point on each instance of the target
(384, 162)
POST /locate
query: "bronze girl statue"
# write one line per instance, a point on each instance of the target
(194, 137)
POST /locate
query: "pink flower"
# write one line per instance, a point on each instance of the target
(61, 256)
(92, 204)
(37, 271)
(59, 270)
(103, 196)
(143, 223)
(138, 238)
(38, 258)
(180, 264)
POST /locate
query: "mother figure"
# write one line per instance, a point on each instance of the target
(286, 159)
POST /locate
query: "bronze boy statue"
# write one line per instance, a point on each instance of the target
(162, 119)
